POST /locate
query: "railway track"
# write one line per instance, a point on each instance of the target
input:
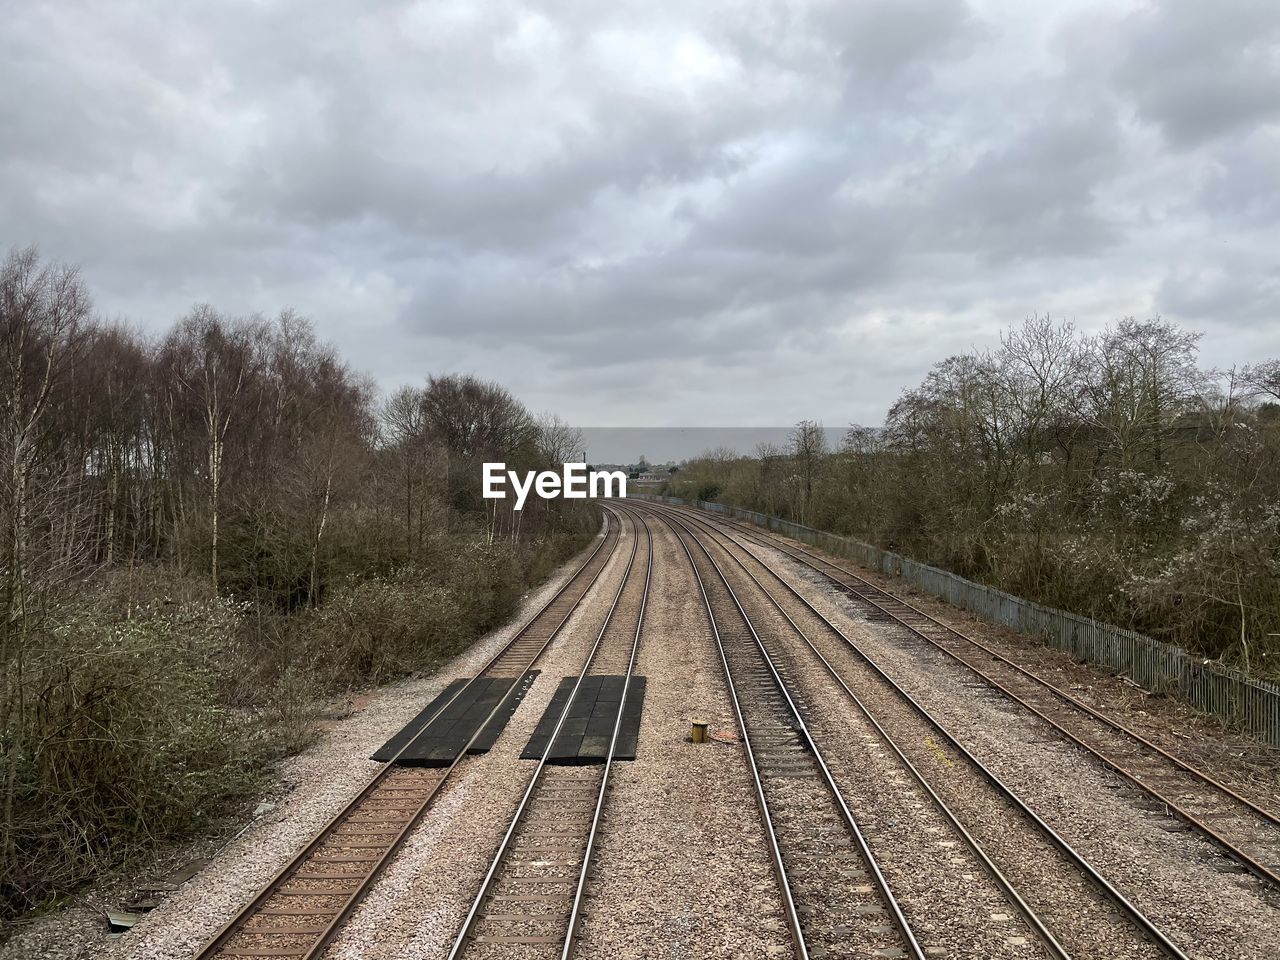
(299, 911)
(530, 900)
(836, 900)
(1106, 921)
(1244, 830)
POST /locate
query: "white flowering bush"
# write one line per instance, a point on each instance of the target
(1224, 580)
(1108, 474)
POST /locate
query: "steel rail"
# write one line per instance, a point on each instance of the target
(762, 805)
(235, 925)
(1145, 925)
(773, 541)
(1051, 942)
(899, 919)
(1256, 867)
(517, 817)
(575, 911)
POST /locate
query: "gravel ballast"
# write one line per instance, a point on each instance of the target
(314, 786)
(944, 890)
(681, 868)
(1172, 875)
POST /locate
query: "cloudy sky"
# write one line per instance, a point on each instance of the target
(650, 213)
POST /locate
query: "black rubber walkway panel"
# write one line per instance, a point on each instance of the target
(629, 734)
(493, 729)
(414, 726)
(442, 739)
(588, 727)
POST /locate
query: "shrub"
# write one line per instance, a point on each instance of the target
(122, 737)
(148, 709)
(373, 628)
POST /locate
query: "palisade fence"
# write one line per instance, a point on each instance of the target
(1252, 706)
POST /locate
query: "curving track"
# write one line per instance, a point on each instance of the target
(299, 911)
(835, 896)
(530, 901)
(888, 836)
(1244, 829)
(1084, 921)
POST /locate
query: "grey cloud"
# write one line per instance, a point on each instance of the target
(1036, 195)
(1241, 292)
(628, 211)
(1243, 190)
(888, 47)
(1200, 70)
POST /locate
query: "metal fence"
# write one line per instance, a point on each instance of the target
(1251, 706)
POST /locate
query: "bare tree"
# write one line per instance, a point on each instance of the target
(1145, 375)
(42, 312)
(557, 441)
(808, 448)
(1263, 380)
(214, 362)
(405, 430)
(473, 418)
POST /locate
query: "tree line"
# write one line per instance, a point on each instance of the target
(1107, 474)
(202, 535)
